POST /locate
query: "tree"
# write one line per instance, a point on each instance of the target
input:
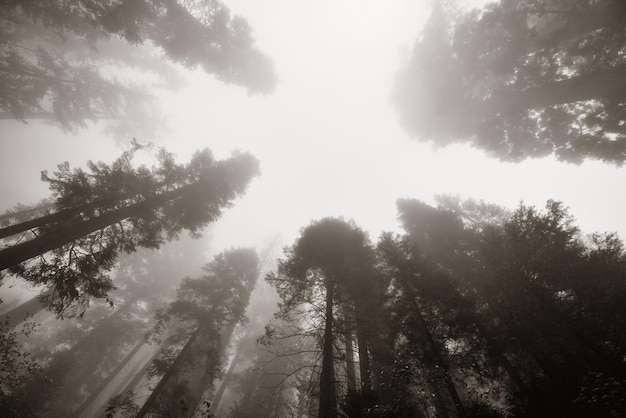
(119, 208)
(55, 57)
(527, 278)
(208, 308)
(320, 266)
(521, 79)
(19, 372)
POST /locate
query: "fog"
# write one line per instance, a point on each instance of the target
(386, 188)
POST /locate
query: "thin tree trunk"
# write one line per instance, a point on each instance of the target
(60, 216)
(78, 412)
(173, 368)
(20, 313)
(21, 252)
(66, 214)
(350, 369)
(227, 377)
(96, 331)
(26, 212)
(440, 361)
(363, 347)
(328, 397)
(348, 329)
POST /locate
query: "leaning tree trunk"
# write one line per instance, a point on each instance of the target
(21, 252)
(20, 313)
(96, 392)
(328, 397)
(25, 213)
(227, 377)
(69, 213)
(166, 377)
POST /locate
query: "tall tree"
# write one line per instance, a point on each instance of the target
(320, 266)
(521, 79)
(208, 308)
(54, 56)
(128, 208)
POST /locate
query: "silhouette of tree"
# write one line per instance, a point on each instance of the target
(121, 208)
(521, 79)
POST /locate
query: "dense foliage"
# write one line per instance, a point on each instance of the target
(119, 208)
(479, 312)
(521, 79)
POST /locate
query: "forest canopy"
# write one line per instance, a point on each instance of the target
(63, 61)
(521, 79)
(116, 208)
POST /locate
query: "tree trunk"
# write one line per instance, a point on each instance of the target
(173, 368)
(363, 347)
(25, 212)
(350, 369)
(20, 313)
(220, 392)
(328, 397)
(83, 343)
(440, 361)
(21, 252)
(79, 411)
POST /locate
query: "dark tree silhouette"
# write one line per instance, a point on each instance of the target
(521, 79)
(121, 208)
(323, 263)
(208, 307)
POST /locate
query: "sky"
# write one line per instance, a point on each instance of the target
(328, 139)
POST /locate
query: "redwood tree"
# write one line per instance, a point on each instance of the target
(120, 208)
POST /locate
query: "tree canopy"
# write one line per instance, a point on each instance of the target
(57, 59)
(520, 79)
(119, 207)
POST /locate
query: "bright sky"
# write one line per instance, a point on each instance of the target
(328, 139)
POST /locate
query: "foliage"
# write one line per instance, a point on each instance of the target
(139, 208)
(57, 58)
(19, 372)
(520, 79)
(199, 323)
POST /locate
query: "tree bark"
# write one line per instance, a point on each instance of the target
(328, 397)
(21, 252)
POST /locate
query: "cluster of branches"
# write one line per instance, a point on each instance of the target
(474, 311)
(521, 79)
(117, 208)
(57, 59)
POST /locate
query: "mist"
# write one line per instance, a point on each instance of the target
(312, 209)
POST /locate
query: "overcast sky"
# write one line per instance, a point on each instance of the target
(328, 139)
